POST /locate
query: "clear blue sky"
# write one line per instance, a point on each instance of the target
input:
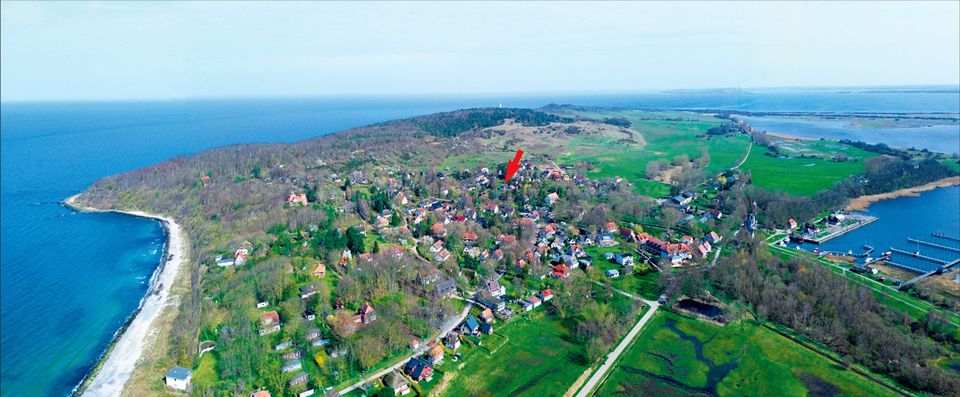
(162, 50)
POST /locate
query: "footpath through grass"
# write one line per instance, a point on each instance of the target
(679, 355)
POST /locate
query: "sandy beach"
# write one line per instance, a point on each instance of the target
(862, 202)
(120, 361)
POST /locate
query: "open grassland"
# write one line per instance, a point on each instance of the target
(609, 151)
(664, 135)
(808, 175)
(678, 355)
(533, 356)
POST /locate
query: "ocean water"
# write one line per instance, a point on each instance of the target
(68, 280)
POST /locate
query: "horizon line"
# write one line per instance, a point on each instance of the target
(953, 87)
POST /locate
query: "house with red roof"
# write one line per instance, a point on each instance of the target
(366, 314)
(611, 227)
(438, 230)
(560, 271)
(297, 198)
(546, 295)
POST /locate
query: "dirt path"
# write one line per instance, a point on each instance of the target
(745, 156)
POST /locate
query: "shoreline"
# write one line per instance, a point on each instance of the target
(863, 202)
(119, 359)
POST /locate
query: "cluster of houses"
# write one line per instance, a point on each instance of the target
(544, 240)
(678, 252)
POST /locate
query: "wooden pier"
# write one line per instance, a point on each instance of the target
(945, 236)
(919, 256)
(914, 280)
(935, 245)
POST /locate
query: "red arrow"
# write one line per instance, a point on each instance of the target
(513, 166)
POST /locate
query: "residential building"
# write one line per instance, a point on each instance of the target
(178, 378)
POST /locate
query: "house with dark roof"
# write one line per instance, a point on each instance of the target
(308, 291)
(486, 328)
(493, 287)
(526, 305)
(471, 326)
(419, 370)
(445, 288)
(397, 383)
(452, 341)
(492, 302)
(366, 314)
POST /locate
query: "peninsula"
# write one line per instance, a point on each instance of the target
(394, 258)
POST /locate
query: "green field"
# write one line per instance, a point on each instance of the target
(804, 176)
(662, 135)
(742, 358)
(534, 356)
(205, 376)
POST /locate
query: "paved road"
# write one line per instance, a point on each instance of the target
(615, 354)
(422, 349)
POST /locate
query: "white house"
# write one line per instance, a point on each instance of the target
(178, 378)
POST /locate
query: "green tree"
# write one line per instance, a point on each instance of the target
(355, 240)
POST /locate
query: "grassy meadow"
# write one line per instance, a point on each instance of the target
(531, 356)
(804, 175)
(658, 135)
(742, 358)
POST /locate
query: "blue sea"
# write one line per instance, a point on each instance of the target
(68, 281)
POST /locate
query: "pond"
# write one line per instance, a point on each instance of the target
(703, 309)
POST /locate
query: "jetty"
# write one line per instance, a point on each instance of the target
(945, 236)
(935, 245)
(939, 270)
(918, 255)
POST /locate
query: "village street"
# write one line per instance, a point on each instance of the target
(453, 322)
(612, 357)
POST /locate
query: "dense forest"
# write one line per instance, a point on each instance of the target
(455, 123)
